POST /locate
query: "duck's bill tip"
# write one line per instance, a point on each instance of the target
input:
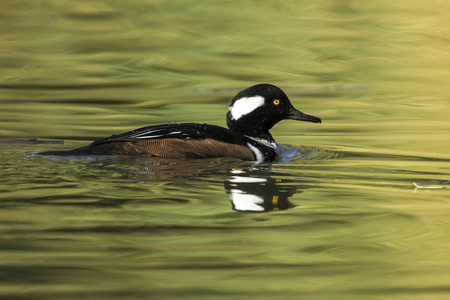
(294, 114)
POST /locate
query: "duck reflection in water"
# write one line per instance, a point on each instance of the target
(250, 187)
(254, 190)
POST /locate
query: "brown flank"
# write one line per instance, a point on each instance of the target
(168, 148)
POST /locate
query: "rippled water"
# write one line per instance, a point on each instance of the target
(356, 207)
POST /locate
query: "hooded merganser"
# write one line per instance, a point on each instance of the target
(251, 114)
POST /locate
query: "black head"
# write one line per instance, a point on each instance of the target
(258, 108)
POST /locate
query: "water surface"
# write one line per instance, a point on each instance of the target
(337, 217)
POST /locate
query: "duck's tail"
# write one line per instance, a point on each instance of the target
(73, 152)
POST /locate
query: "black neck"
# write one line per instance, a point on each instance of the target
(251, 130)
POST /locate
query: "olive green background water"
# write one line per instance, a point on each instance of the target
(344, 219)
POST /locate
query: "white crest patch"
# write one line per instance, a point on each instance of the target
(244, 106)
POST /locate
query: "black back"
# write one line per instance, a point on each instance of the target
(176, 131)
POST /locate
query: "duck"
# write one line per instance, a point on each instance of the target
(252, 113)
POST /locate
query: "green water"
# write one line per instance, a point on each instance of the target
(343, 218)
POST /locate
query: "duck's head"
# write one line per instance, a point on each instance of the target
(258, 108)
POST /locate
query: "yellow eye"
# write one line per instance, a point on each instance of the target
(276, 101)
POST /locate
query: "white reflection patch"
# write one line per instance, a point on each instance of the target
(246, 202)
(242, 179)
